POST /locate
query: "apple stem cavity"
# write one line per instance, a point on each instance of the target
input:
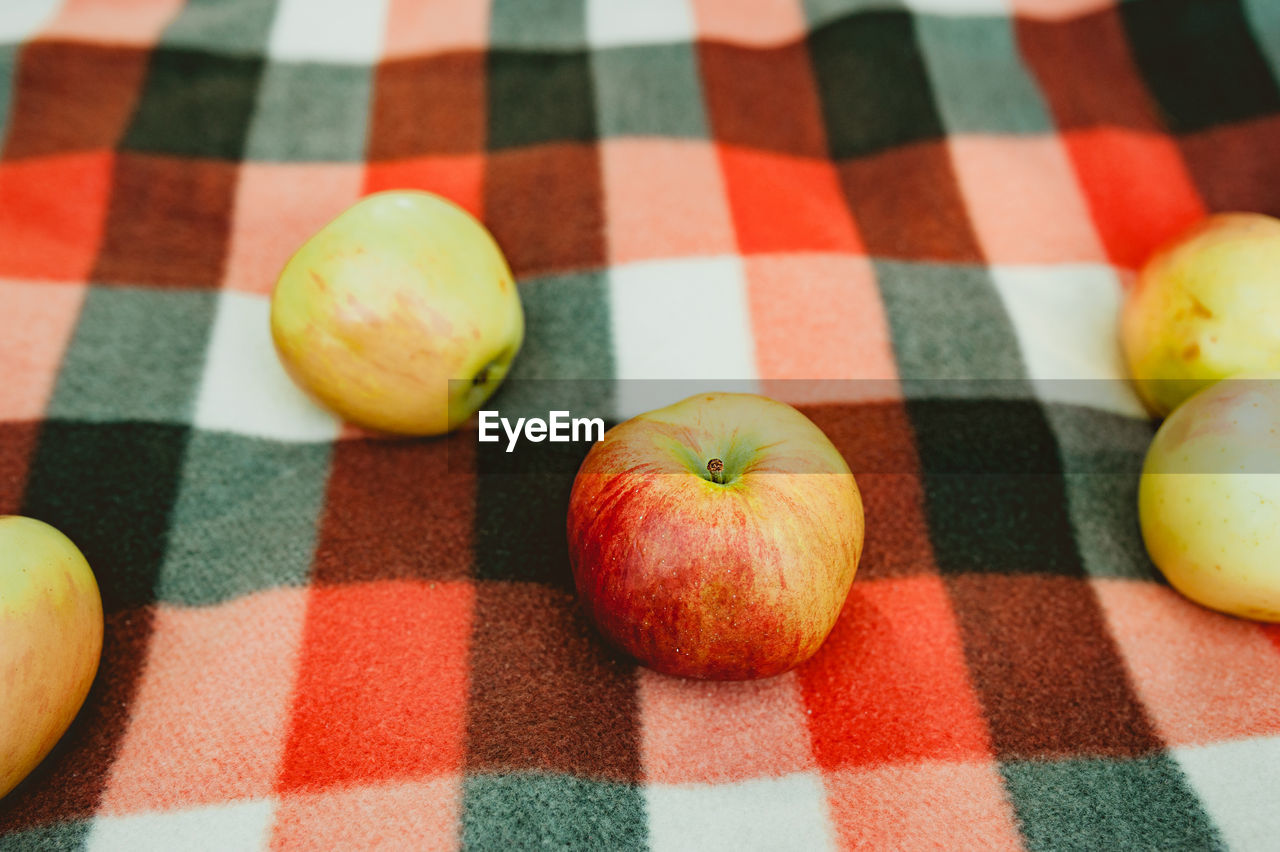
(715, 467)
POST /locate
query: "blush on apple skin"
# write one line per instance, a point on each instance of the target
(725, 581)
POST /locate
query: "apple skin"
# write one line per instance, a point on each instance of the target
(729, 581)
(401, 314)
(50, 641)
(1204, 307)
(1209, 497)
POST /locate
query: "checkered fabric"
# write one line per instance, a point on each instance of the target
(319, 638)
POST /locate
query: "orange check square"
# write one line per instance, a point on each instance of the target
(820, 327)
(423, 813)
(713, 732)
(35, 326)
(137, 22)
(1203, 676)
(209, 718)
(664, 198)
(759, 22)
(278, 207)
(889, 807)
(1024, 200)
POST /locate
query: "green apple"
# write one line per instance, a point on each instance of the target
(1205, 307)
(1209, 497)
(400, 315)
(50, 641)
(717, 537)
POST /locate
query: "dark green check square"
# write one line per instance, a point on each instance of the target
(110, 488)
(818, 12)
(311, 112)
(520, 516)
(8, 66)
(1263, 17)
(245, 519)
(566, 361)
(1108, 804)
(527, 811)
(567, 326)
(978, 78)
(136, 354)
(1200, 60)
(993, 504)
(1102, 455)
(949, 329)
(993, 488)
(538, 24)
(58, 837)
(649, 90)
(539, 97)
(239, 27)
(195, 104)
(872, 82)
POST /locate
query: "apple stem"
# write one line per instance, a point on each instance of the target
(715, 467)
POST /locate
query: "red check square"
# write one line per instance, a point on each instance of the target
(381, 691)
(890, 684)
(459, 178)
(783, 203)
(52, 214)
(1137, 187)
(545, 207)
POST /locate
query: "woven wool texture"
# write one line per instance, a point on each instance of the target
(318, 638)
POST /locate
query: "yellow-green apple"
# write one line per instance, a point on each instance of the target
(1204, 307)
(50, 640)
(715, 538)
(400, 315)
(1209, 497)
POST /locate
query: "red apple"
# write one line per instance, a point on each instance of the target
(717, 537)
(50, 639)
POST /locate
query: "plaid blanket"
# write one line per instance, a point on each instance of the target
(913, 219)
